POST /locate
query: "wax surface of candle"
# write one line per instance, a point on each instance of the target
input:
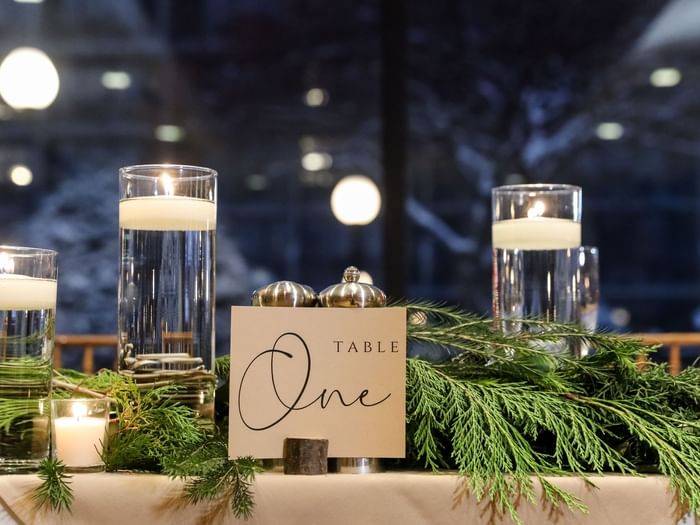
(79, 440)
(167, 213)
(536, 233)
(21, 292)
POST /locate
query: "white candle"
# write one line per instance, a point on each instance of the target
(167, 213)
(536, 233)
(21, 292)
(79, 440)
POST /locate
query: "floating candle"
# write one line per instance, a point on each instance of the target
(167, 213)
(21, 292)
(536, 233)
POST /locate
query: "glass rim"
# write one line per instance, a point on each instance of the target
(88, 400)
(536, 187)
(129, 172)
(25, 251)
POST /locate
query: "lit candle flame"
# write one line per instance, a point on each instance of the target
(167, 183)
(537, 210)
(79, 410)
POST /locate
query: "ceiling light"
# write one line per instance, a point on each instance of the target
(20, 175)
(356, 200)
(28, 79)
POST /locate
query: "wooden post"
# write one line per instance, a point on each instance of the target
(674, 359)
(88, 359)
(305, 456)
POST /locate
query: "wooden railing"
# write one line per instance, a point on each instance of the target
(172, 342)
(88, 343)
(674, 341)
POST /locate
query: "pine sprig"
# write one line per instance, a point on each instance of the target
(55, 492)
(150, 428)
(490, 428)
(213, 478)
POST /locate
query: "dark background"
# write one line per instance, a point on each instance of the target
(436, 101)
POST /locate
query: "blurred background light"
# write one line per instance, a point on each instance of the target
(356, 200)
(256, 182)
(20, 175)
(609, 131)
(315, 161)
(116, 80)
(169, 133)
(620, 317)
(28, 79)
(316, 97)
(665, 77)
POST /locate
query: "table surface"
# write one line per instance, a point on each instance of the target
(337, 499)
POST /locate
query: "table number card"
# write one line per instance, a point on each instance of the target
(335, 373)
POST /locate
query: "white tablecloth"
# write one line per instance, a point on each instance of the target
(337, 499)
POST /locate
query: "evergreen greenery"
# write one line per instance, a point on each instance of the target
(18, 376)
(500, 409)
(155, 434)
(55, 491)
(503, 411)
(214, 478)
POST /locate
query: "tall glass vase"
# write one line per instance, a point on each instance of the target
(167, 236)
(588, 279)
(536, 234)
(27, 320)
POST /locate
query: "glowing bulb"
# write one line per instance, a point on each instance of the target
(315, 161)
(356, 200)
(21, 175)
(665, 77)
(28, 79)
(609, 130)
(116, 80)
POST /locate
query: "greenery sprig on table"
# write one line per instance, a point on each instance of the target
(501, 410)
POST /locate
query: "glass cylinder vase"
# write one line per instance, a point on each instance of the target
(588, 279)
(27, 319)
(536, 234)
(166, 299)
